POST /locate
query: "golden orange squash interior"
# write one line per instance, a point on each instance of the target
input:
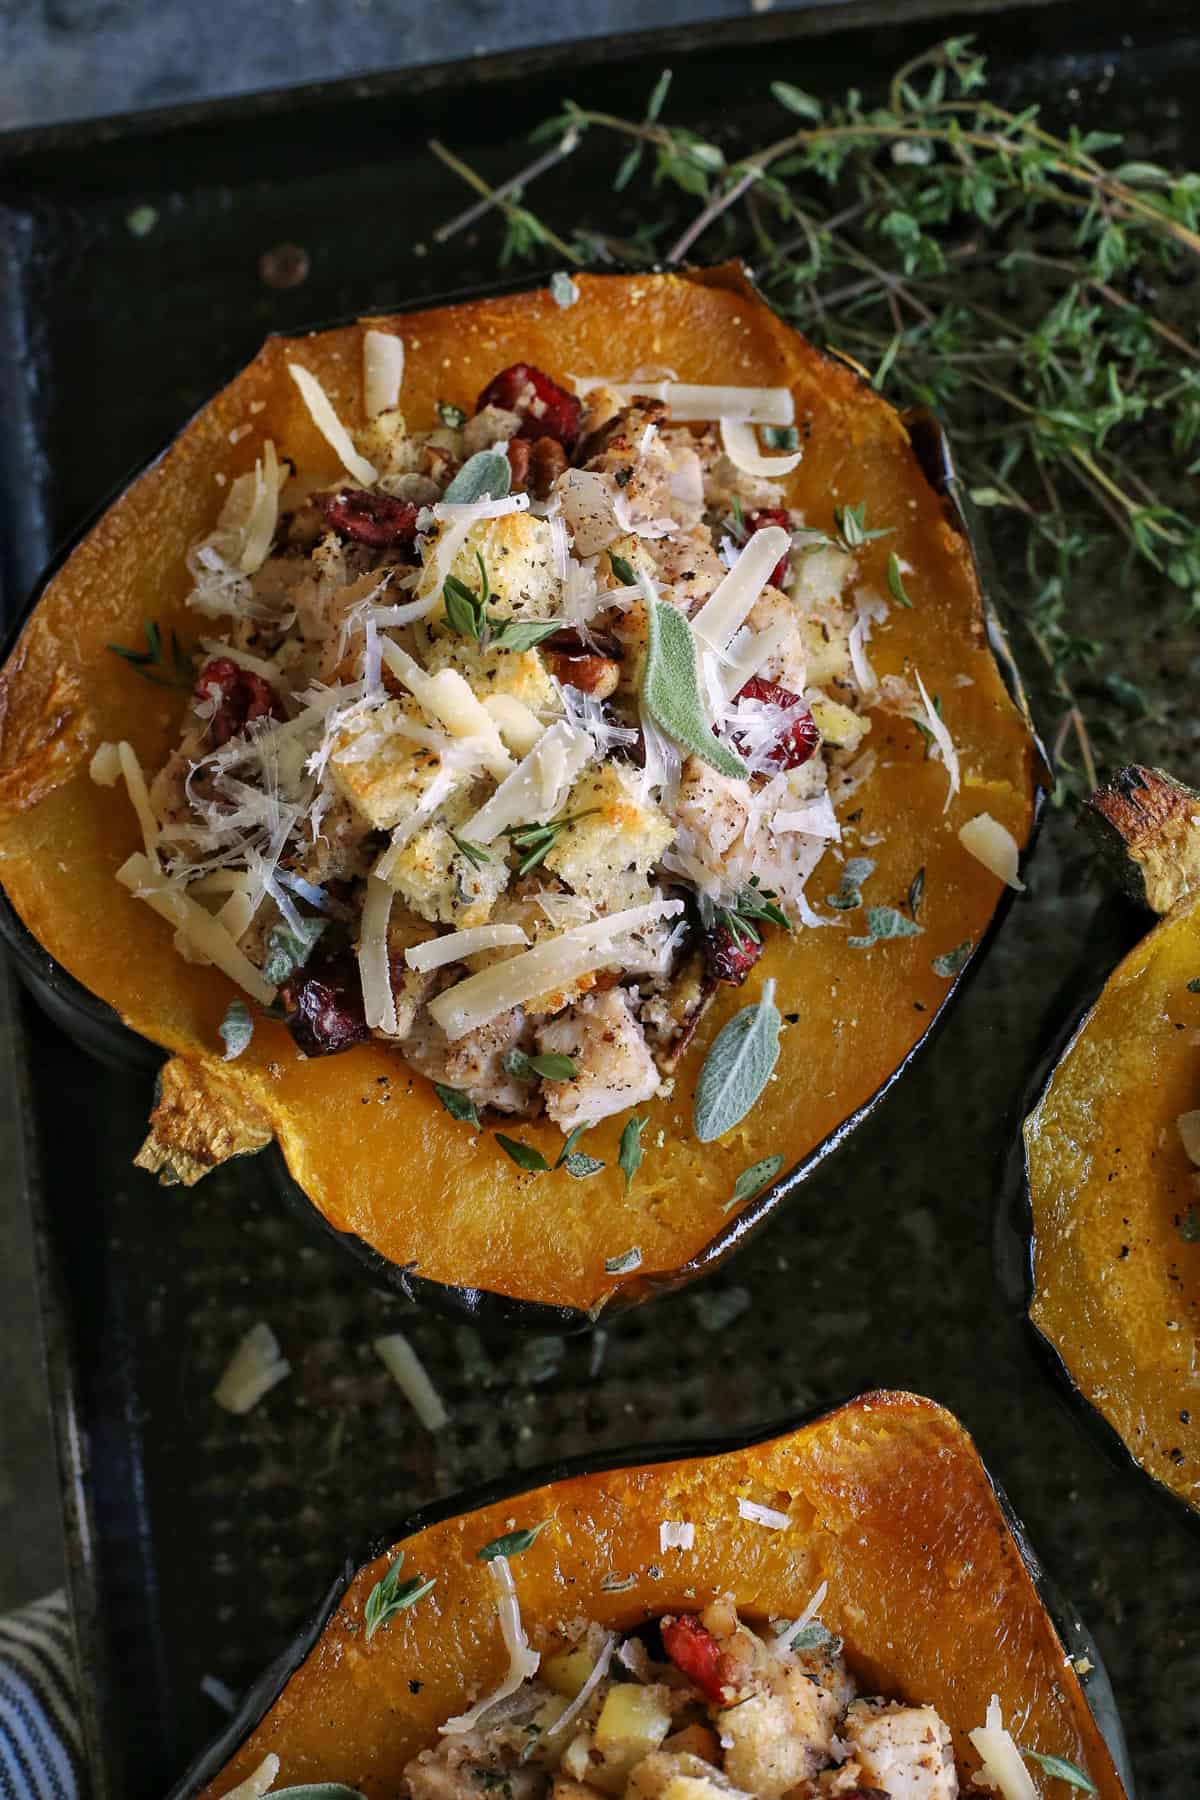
(887, 1502)
(385, 1161)
(1116, 1284)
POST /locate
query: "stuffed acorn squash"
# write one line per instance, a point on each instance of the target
(842, 1613)
(472, 722)
(1112, 1154)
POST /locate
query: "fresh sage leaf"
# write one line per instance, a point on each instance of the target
(953, 961)
(511, 1543)
(623, 1264)
(737, 1068)
(452, 417)
(813, 1636)
(524, 1155)
(1060, 1770)
(630, 1153)
(550, 1067)
(624, 571)
(389, 1597)
(895, 576)
(289, 950)
(780, 437)
(579, 1165)
(563, 291)
(484, 476)
(849, 893)
(671, 687)
(756, 1177)
(457, 1104)
(236, 1028)
(885, 922)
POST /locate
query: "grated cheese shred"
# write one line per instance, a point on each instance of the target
(1002, 1767)
(374, 970)
(383, 371)
(256, 1366)
(523, 1662)
(323, 416)
(409, 1373)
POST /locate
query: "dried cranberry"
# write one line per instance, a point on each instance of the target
(372, 519)
(545, 409)
(729, 955)
(696, 1653)
(241, 697)
(799, 737)
(758, 521)
(323, 1004)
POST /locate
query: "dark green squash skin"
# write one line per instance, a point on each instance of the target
(266, 1689)
(98, 1029)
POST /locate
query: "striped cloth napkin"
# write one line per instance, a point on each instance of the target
(40, 1743)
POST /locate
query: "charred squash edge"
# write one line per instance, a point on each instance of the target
(99, 1030)
(1095, 1687)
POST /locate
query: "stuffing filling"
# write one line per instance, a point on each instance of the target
(692, 1708)
(513, 745)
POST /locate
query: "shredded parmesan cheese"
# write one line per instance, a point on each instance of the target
(379, 1002)
(810, 1612)
(676, 1534)
(763, 1515)
(1001, 1764)
(522, 1661)
(519, 727)
(105, 766)
(994, 846)
(330, 426)
(741, 447)
(135, 786)
(454, 946)
(549, 965)
(197, 927)
(695, 402)
(256, 1366)
(598, 1671)
(213, 647)
(726, 608)
(942, 738)
(408, 1372)
(257, 1784)
(259, 530)
(383, 371)
(537, 786)
(448, 696)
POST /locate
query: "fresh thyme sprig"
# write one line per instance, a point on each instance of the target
(154, 664)
(1021, 281)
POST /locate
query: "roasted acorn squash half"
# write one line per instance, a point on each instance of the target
(929, 1585)
(1113, 1195)
(430, 1204)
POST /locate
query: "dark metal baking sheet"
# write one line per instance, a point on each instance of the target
(197, 1541)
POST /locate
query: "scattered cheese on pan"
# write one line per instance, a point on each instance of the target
(408, 1372)
(676, 1534)
(1002, 1767)
(548, 966)
(522, 1661)
(942, 738)
(374, 969)
(383, 371)
(741, 447)
(197, 927)
(454, 946)
(257, 1784)
(256, 1366)
(763, 1515)
(725, 610)
(994, 846)
(325, 419)
(695, 401)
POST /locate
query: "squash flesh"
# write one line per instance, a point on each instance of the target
(1116, 1285)
(473, 1219)
(889, 1503)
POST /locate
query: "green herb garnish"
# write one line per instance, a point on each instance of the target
(753, 1179)
(580, 1166)
(780, 437)
(1059, 1769)
(512, 1543)
(236, 1028)
(630, 1152)
(1189, 1225)
(524, 1155)
(624, 571)
(1193, 986)
(459, 1105)
(452, 417)
(671, 687)
(474, 853)
(895, 577)
(737, 1068)
(563, 290)
(289, 950)
(467, 614)
(389, 1597)
(485, 476)
(885, 922)
(849, 891)
(752, 904)
(953, 961)
(916, 892)
(165, 668)
(549, 1067)
(536, 841)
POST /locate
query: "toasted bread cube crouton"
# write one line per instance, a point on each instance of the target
(438, 880)
(776, 1740)
(518, 554)
(616, 838)
(686, 1776)
(905, 1750)
(520, 673)
(382, 773)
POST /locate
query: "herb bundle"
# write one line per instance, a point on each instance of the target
(1020, 280)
